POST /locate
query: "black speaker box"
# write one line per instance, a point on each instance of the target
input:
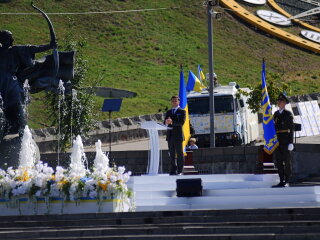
(189, 187)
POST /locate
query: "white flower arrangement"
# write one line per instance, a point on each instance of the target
(42, 181)
(75, 183)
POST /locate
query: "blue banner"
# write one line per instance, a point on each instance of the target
(269, 131)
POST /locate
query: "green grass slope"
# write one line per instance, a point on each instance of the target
(141, 51)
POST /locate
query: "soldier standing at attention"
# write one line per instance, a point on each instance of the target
(283, 120)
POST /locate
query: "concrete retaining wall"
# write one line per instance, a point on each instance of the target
(211, 161)
(134, 161)
(305, 160)
(227, 160)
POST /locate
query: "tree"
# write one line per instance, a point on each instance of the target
(275, 86)
(72, 113)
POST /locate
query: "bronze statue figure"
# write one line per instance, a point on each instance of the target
(18, 63)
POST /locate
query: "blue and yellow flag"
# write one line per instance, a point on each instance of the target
(269, 131)
(194, 83)
(201, 74)
(184, 106)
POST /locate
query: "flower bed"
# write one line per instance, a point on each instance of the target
(39, 189)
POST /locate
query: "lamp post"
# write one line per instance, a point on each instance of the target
(210, 4)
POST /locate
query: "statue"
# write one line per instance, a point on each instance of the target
(18, 63)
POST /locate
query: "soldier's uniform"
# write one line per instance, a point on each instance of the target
(284, 127)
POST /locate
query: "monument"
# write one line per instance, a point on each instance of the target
(20, 72)
(18, 65)
(27, 185)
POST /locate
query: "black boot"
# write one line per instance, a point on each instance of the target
(279, 185)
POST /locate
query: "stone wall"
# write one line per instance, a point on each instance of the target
(134, 161)
(227, 160)
(305, 162)
(206, 161)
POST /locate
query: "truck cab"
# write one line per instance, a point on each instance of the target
(234, 123)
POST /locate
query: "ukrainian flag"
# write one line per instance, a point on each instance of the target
(184, 106)
(269, 131)
(201, 74)
(194, 83)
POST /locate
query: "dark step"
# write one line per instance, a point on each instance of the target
(99, 223)
(156, 230)
(160, 220)
(269, 171)
(302, 236)
(243, 224)
(167, 214)
(189, 170)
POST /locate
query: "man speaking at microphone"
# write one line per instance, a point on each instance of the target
(174, 120)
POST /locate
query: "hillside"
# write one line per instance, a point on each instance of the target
(141, 51)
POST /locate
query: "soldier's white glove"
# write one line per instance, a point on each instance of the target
(290, 147)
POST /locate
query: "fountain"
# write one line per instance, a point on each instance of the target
(61, 89)
(13, 148)
(78, 158)
(2, 121)
(26, 90)
(101, 161)
(73, 99)
(29, 154)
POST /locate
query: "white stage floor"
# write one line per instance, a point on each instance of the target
(221, 191)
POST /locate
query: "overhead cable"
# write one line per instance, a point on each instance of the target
(91, 13)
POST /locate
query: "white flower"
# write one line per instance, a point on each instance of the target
(113, 178)
(38, 182)
(93, 194)
(10, 171)
(121, 170)
(126, 177)
(12, 184)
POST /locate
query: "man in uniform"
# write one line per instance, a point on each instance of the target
(175, 119)
(283, 120)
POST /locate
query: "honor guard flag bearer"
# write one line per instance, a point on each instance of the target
(269, 131)
(184, 106)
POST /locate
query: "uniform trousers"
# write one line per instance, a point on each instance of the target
(283, 162)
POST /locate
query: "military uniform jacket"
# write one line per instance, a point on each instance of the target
(178, 119)
(284, 126)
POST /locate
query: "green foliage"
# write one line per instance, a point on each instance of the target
(142, 51)
(275, 86)
(66, 189)
(72, 113)
(33, 190)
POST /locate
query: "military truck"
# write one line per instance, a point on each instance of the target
(234, 123)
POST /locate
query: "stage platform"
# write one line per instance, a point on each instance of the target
(221, 191)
